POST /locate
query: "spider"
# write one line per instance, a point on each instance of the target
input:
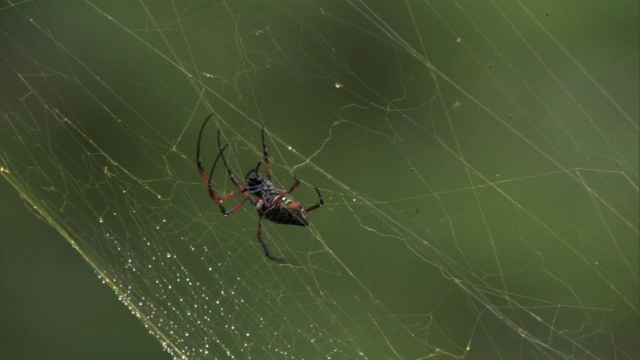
(274, 204)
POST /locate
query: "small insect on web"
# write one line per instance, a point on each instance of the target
(274, 204)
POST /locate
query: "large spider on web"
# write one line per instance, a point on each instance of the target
(274, 204)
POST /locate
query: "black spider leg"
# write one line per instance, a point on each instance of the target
(234, 179)
(267, 162)
(316, 206)
(265, 157)
(278, 199)
(242, 190)
(207, 179)
(265, 247)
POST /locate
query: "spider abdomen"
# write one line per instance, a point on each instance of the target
(285, 211)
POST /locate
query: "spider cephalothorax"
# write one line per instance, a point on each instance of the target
(276, 205)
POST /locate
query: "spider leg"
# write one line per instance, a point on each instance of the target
(241, 204)
(293, 187)
(264, 245)
(202, 173)
(233, 178)
(207, 179)
(316, 206)
(219, 199)
(265, 157)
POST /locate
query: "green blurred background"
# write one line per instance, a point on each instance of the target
(479, 161)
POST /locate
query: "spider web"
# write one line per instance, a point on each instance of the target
(478, 160)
